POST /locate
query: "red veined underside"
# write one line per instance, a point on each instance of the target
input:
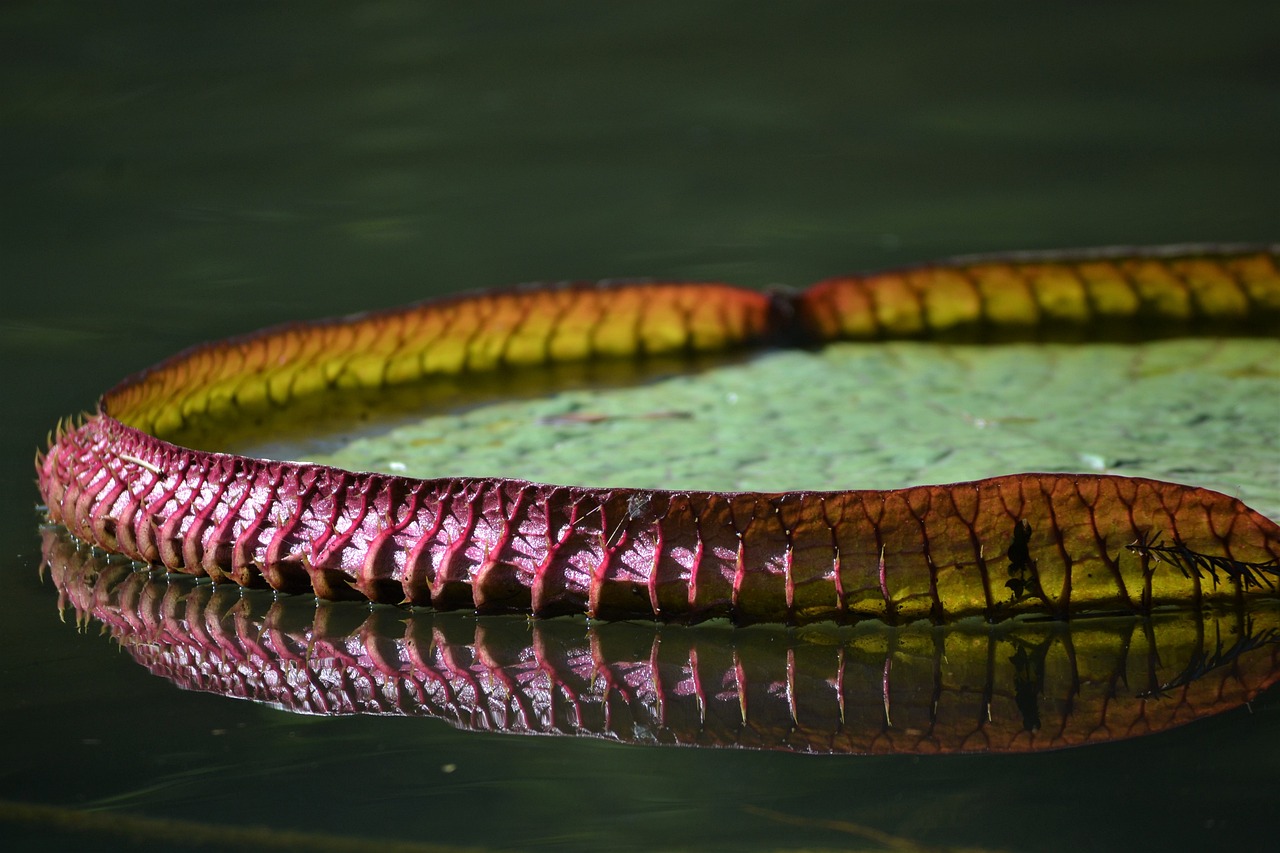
(1028, 685)
(1060, 544)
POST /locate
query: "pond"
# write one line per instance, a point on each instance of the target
(175, 175)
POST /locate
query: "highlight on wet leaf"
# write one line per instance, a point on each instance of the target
(1058, 544)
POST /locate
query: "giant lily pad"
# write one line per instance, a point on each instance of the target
(652, 538)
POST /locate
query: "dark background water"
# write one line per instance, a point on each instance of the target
(173, 173)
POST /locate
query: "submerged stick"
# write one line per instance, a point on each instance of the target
(1059, 544)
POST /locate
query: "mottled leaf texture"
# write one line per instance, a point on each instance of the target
(1057, 544)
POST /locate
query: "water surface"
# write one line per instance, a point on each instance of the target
(173, 174)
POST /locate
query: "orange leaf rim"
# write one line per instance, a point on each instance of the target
(1055, 544)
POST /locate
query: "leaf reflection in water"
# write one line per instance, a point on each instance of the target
(1018, 686)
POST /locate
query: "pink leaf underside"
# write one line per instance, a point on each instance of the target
(1057, 544)
(1015, 687)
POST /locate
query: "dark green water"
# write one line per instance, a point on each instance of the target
(173, 174)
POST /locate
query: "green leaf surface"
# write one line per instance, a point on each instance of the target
(884, 415)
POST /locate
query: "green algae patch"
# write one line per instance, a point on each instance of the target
(875, 416)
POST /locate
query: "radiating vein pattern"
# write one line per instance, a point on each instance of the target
(1014, 687)
(1058, 544)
